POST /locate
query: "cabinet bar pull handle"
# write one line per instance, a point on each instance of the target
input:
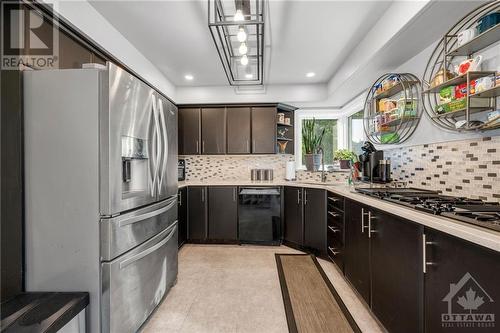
(305, 197)
(197, 146)
(253, 146)
(234, 194)
(425, 263)
(333, 199)
(203, 146)
(298, 196)
(180, 199)
(334, 229)
(333, 214)
(248, 146)
(332, 250)
(363, 227)
(370, 231)
(202, 195)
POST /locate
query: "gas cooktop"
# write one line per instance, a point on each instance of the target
(474, 211)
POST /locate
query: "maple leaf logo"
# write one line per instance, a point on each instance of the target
(470, 301)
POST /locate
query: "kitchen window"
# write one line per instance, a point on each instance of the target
(356, 134)
(330, 140)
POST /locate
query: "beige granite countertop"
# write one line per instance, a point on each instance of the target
(472, 233)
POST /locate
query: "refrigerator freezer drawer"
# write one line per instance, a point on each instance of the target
(122, 233)
(135, 283)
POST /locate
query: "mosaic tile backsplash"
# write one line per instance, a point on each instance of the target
(233, 167)
(237, 168)
(468, 168)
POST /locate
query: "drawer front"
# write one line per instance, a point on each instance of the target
(135, 283)
(335, 250)
(122, 233)
(336, 201)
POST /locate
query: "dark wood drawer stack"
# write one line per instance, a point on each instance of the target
(335, 229)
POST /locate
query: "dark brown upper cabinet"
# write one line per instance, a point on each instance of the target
(263, 130)
(232, 129)
(213, 130)
(189, 131)
(238, 130)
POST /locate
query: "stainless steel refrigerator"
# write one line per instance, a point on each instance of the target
(100, 191)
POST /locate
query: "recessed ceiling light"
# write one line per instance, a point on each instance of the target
(310, 74)
(249, 76)
(188, 77)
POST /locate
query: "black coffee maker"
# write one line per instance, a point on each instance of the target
(371, 167)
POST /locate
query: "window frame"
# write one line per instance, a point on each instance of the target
(301, 115)
(349, 128)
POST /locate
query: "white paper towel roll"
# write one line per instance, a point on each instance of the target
(290, 170)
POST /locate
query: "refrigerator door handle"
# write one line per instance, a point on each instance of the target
(152, 150)
(150, 250)
(165, 142)
(156, 146)
(138, 218)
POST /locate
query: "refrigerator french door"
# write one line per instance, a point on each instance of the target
(138, 144)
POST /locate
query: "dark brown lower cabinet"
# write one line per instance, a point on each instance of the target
(357, 248)
(462, 288)
(396, 272)
(182, 222)
(293, 215)
(223, 213)
(315, 221)
(197, 213)
(335, 229)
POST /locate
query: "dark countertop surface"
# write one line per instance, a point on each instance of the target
(41, 311)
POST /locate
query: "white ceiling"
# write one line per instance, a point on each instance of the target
(301, 37)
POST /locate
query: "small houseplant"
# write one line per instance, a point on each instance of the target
(344, 156)
(311, 142)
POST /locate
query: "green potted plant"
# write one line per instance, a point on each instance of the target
(345, 157)
(311, 142)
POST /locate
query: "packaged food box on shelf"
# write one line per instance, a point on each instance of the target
(483, 83)
(460, 104)
(391, 137)
(493, 118)
(407, 107)
(385, 85)
(386, 104)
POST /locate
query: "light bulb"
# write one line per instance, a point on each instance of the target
(249, 76)
(243, 49)
(244, 60)
(238, 16)
(242, 35)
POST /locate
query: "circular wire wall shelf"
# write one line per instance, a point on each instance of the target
(392, 108)
(455, 101)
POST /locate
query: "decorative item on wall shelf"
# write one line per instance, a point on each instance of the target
(311, 144)
(392, 108)
(282, 146)
(466, 100)
(237, 29)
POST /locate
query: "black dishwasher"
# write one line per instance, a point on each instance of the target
(259, 215)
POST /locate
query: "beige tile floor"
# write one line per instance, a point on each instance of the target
(229, 288)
